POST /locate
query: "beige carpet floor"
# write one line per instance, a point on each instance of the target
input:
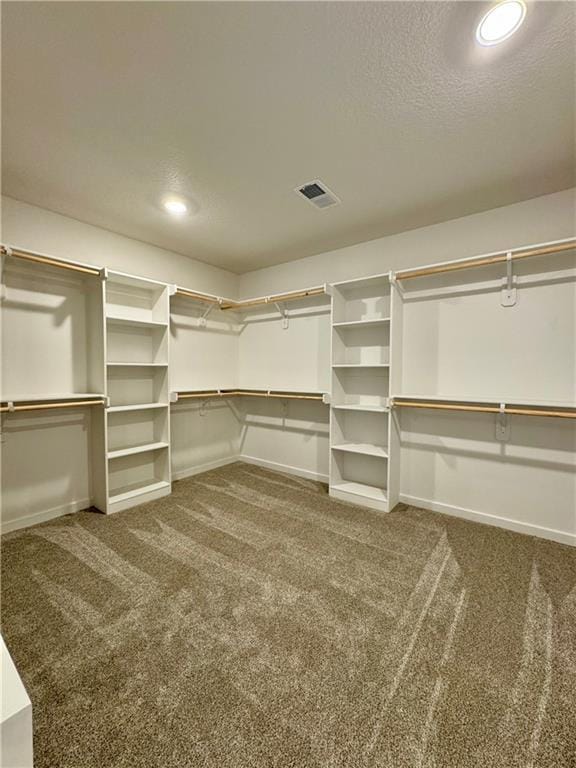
(248, 621)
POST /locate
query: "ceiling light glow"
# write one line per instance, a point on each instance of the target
(176, 207)
(500, 22)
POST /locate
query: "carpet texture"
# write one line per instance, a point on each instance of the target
(249, 621)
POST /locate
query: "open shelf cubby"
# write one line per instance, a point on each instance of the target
(139, 343)
(360, 475)
(360, 432)
(131, 431)
(137, 474)
(136, 299)
(361, 344)
(135, 385)
(360, 386)
(365, 300)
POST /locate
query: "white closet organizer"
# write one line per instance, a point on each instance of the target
(135, 432)
(364, 443)
(412, 340)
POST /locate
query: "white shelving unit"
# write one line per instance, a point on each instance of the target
(135, 432)
(363, 440)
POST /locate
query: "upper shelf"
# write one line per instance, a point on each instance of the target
(490, 399)
(206, 394)
(61, 396)
(113, 319)
(368, 322)
(488, 259)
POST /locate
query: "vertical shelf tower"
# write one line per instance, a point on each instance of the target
(135, 432)
(364, 438)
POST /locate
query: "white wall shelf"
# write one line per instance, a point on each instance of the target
(120, 320)
(361, 407)
(490, 399)
(362, 323)
(363, 448)
(137, 449)
(131, 495)
(137, 407)
(361, 493)
(67, 396)
(136, 365)
(361, 365)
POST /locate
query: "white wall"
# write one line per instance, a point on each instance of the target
(466, 344)
(46, 334)
(40, 230)
(551, 217)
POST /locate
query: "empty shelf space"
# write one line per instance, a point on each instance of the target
(114, 319)
(136, 489)
(361, 365)
(366, 449)
(374, 321)
(137, 449)
(137, 365)
(361, 407)
(138, 407)
(361, 489)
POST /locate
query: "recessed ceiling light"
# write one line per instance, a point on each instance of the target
(500, 22)
(175, 207)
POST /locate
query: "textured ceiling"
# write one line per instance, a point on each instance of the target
(108, 107)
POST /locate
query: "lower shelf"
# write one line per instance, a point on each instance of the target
(125, 496)
(361, 489)
(366, 449)
(359, 493)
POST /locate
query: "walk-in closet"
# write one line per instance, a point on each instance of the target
(288, 385)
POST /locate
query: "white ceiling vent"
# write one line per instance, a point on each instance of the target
(318, 194)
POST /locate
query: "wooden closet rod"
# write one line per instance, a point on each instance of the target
(560, 414)
(198, 296)
(248, 393)
(292, 296)
(484, 261)
(280, 395)
(40, 259)
(49, 406)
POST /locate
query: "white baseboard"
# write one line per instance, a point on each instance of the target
(562, 537)
(199, 468)
(49, 514)
(274, 465)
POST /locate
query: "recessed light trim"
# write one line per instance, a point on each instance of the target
(500, 22)
(175, 207)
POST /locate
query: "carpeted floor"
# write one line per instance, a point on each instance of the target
(248, 621)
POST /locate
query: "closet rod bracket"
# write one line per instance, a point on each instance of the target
(502, 425)
(283, 313)
(509, 290)
(202, 321)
